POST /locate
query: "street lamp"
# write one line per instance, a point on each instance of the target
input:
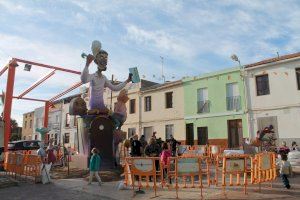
(235, 58)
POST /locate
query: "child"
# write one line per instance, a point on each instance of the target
(120, 112)
(165, 154)
(285, 169)
(95, 166)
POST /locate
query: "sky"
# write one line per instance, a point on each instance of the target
(193, 37)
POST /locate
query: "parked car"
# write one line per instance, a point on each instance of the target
(22, 145)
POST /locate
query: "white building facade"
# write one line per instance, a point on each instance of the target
(68, 125)
(38, 122)
(273, 90)
(156, 108)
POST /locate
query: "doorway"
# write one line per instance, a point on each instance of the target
(189, 134)
(148, 132)
(235, 133)
(202, 134)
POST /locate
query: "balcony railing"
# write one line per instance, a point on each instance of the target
(233, 103)
(203, 106)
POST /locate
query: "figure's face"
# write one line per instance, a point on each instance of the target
(101, 61)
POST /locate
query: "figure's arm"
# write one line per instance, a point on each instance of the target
(119, 86)
(114, 87)
(85, 76)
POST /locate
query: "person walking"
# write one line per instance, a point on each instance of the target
(165, 154)
(95, 166)
(285, 170)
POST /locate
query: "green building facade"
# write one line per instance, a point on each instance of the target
(215, 108)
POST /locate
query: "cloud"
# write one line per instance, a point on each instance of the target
(157, 40)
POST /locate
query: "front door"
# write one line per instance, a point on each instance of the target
(189, 134)
(202, 135)
(101, 137)
(235, 133)
(148, 132)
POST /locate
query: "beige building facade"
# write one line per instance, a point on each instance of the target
(27, 130)
(155, 108)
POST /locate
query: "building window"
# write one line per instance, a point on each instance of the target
(56, 118)
(35, 137)
(25, 124)
(132, 106)
(169, 131)
(67, 138)
(131, 132)
(298, 77)
(30, 124)
(233, 98)
(202, 101)
(148, 103)
(68, 120)
(262, 85)
(169, 100)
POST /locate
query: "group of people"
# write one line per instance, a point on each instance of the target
(153, 148)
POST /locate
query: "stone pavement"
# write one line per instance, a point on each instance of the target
(5, 181)
(78, 189)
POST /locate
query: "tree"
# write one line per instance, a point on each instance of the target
(15, 132)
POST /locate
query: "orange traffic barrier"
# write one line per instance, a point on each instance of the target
(22, 164)
(141, 167)
(234, 166)
(191, 167)
(263, 167)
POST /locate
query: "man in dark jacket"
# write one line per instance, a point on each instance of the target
(173, 143)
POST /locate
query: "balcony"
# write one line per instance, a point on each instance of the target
(233, 103)
(203, 106)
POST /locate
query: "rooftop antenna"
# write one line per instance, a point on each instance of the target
(162, 69)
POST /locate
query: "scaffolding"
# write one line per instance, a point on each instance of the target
(9, 92)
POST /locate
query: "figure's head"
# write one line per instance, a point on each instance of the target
(283, 143)
(100, 55)
(95, 151)
(123, 96)
(294, 143)
(77, 106)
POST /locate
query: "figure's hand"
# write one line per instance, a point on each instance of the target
(129, 78)
(89, 59)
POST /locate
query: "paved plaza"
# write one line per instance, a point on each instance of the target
(78, 189)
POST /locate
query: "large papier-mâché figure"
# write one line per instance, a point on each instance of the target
(97, 80)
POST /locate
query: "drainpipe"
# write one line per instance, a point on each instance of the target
(140, 113)
(243, 75)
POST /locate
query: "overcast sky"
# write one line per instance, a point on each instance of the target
(194, 37)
